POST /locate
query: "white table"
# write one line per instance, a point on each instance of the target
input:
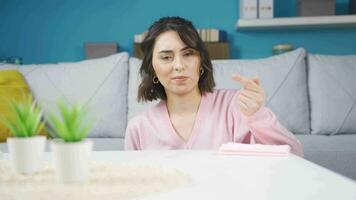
(241, 177)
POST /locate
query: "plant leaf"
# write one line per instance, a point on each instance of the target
(72, 127)
(27, 118)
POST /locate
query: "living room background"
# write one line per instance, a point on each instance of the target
(42, 31)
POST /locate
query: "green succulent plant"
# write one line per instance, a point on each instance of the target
(27, 118)
(72, 124)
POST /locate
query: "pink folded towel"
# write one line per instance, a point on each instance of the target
(254, 149)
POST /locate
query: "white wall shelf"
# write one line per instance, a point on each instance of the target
(297, 22)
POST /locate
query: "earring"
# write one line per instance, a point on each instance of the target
(155, 80)
(201, 71)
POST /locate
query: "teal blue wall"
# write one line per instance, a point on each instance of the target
(43, 31)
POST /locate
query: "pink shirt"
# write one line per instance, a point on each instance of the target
(218, 121)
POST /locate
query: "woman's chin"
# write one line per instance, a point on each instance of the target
(182, 90)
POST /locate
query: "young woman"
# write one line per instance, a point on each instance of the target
(192, 114)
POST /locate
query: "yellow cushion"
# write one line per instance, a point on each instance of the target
(13, 86)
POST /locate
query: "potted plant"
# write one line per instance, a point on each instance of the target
(26, 147)
(71, 152)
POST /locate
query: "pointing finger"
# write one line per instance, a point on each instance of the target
(243, 80)
(256, 80)
(246, 82)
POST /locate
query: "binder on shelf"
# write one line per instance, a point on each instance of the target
(265, 9)
(222, 36)
(203, 35)
(248, 9)
(212, 35)
(138, 38)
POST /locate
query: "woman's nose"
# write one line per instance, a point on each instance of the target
(178, 64)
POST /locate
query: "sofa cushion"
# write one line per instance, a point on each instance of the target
(283, 78)
(135, 107)
(13, 88)
(99, 83)
(332, 90)
(335, 152)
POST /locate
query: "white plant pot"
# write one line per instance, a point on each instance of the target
(71, 160)
(26, 154)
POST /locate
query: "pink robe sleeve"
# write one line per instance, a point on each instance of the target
(132, 141)
(262, 128)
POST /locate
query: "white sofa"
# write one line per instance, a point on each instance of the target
(312, 95)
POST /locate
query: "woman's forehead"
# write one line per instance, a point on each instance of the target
(169, 41)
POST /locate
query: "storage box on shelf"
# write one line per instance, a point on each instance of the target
(316, 7)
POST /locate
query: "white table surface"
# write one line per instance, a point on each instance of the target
(216, 176)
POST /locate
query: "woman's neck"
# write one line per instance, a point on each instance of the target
(184, 104)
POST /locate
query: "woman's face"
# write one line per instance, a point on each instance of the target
(175, 64)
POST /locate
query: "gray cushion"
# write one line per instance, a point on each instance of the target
(284, 79)
(336, 152)
(332, 90)
(135, 107)
(99, 83)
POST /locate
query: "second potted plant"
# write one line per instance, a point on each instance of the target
(71, 152)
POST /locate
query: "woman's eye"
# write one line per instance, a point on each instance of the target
(166, 57)
(188, 53)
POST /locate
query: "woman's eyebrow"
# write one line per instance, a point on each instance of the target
(166, 51)
(185, 48)
(171, 51)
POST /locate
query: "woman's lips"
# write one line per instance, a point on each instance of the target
(180, 79)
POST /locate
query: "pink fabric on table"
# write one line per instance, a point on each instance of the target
(218, 121)
(254, 149)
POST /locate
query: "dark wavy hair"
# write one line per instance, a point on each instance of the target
(149, 91)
